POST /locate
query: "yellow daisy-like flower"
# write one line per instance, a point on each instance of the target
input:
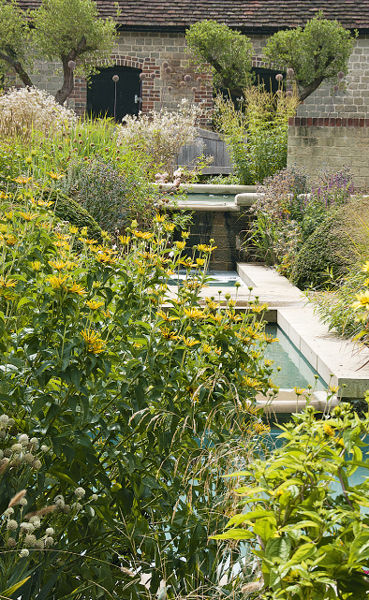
(362, 301)
(169, 227)
(168, 334)
(205, 248)
(76, 288)
(180, 245)
(57, 264)
(56, 281)
(365, 267)
(159, 218)
(124, 239)
(189, 342)
(250, 382)
(163, 315)
(36, 265)
(94, 304)
(261, 428)
(62, 244)
(3, 196)
(200, 262)
(45, 204)
(22, 180)
(328, 430)
(94, 342)
(194, 313)
(298, 391)
(106, 258)
(7, 283)
(73, 230)
(10, 240)
(210, 350)
(211, 304)
(143, 235)
(185, 235)
(55, 176)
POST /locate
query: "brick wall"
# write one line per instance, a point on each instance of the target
(330, 143)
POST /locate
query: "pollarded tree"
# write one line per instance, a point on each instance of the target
(65, 30)
(74, 33)
(14, 41)
(316, 53)
(228, 52)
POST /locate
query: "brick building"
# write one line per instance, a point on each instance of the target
(153, 67)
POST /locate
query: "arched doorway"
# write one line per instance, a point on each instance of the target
(106, 97)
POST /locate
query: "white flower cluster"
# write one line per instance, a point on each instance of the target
(24, 109)
(161, 134)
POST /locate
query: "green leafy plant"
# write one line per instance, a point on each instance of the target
(228, 52)
(316, 53)
(302, 514)
(140, 395)
(256, 136)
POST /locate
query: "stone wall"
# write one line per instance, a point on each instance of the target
(330, 143)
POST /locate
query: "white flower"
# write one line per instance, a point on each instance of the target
(24, 553)
(80, 492)
(12, 525)
(23, 439)
(49, 531)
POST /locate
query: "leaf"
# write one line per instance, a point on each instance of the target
(15, 587)
(234, 534)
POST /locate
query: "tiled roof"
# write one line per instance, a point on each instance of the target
(242, 14)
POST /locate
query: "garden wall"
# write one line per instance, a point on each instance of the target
(318, 143)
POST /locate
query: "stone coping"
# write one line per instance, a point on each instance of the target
(204, 206)
(209, 188)
(338, 361)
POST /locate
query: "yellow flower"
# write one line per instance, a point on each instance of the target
(206, 248)
(194, 313)
(328, 430)
(56, 281)
(185, 235)
(261, 428)
(333, 389)
(362, 301)
(189, 342)
(124, 239)
(94, 342)
(211, 304)
(106, 258)
(84, 231)
(298, 391)
(3, 196)
(168, 334)
(76, 288)
(159, 218)
(94, 304)
(250, 382)
(56, 176)
(22, 180)
(200, 262)
(163, 315)
(143, 235)
(45, 204)
(365, 267)
(36, 265)
(168, 227)
(62, 244)
(6, 283)
(180, 245)
(73, 230)
(57, 264)
(10, 240)
(209, 350)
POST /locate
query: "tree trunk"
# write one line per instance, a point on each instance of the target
(68, 82)
(18, 68)
(309, 89)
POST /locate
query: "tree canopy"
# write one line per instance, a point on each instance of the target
(316, 53)
(71, 32)
(228, 52)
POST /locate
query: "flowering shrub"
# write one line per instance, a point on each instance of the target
(286, 214)
(141, 395)
(304, 518)
(25, 109)
(160, 135)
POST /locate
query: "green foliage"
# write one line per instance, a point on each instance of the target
(68, 209)
(14, 37)
(322, 252)
(256, 137)
(227, 51)
(139, 404)
(316, 53)
(303, 515)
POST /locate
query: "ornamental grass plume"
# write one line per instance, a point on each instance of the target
(26, 109)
